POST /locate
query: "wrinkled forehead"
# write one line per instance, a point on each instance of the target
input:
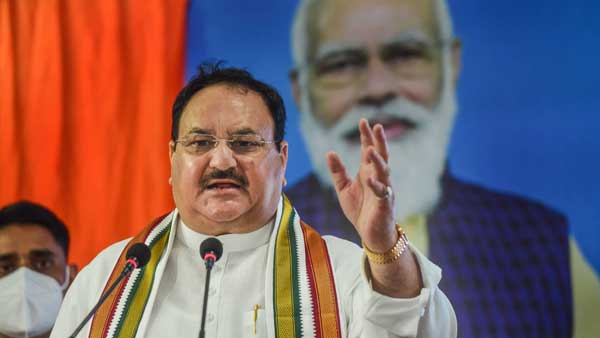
(225, 110)
(368, 24)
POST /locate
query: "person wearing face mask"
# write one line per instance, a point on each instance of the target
(34, 274)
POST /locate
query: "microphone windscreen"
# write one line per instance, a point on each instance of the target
(211, 244)
(140, 252)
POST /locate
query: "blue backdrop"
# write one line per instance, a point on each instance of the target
(528, 103)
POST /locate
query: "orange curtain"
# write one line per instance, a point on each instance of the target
(86, 88)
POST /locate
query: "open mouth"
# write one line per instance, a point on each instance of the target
(223, 181)
(223, 185)
(395, 129)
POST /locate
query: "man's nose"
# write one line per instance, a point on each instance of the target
(379, 84)
(222, 157)
(23, 261)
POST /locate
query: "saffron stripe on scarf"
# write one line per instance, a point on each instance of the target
(321, 275)
(106, 313)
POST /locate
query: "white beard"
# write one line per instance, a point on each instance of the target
(417, 159)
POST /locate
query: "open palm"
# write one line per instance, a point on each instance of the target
(365, 199)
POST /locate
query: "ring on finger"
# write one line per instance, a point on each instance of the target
(388, 193)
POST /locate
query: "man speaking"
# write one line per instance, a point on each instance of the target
(277, 276)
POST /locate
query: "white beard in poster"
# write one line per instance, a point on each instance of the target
(417, 159)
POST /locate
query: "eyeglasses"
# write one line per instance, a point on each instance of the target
(199, 144)
(413, 59)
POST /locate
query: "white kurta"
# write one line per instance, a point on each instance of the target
(237, 287)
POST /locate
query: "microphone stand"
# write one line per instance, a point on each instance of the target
(211, 250)
(209, 265)
(131, 264)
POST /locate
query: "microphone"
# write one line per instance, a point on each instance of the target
(137, 257)
(211, 250)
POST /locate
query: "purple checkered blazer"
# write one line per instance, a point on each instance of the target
(505, 259)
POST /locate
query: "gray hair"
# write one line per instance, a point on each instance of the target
(300, 28)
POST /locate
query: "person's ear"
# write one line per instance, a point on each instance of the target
(171, 148)
(456, 60)
(283, 153)
(293, 76)
(73, 271)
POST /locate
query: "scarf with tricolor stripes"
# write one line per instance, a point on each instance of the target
(300, 290)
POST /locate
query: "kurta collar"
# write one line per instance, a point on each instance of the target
(231, 242)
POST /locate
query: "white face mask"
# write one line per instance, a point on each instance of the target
(30, 302)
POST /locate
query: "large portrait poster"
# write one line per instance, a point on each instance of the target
(512, 85)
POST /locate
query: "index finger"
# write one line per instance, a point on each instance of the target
(366, 138)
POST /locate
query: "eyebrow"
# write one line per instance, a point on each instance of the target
(41, 253)
(413, 36)
(330, 49)
(333, 48)
(8, 257)
(197, 130)
(245, 131)
(241, 131)
(35, 253)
